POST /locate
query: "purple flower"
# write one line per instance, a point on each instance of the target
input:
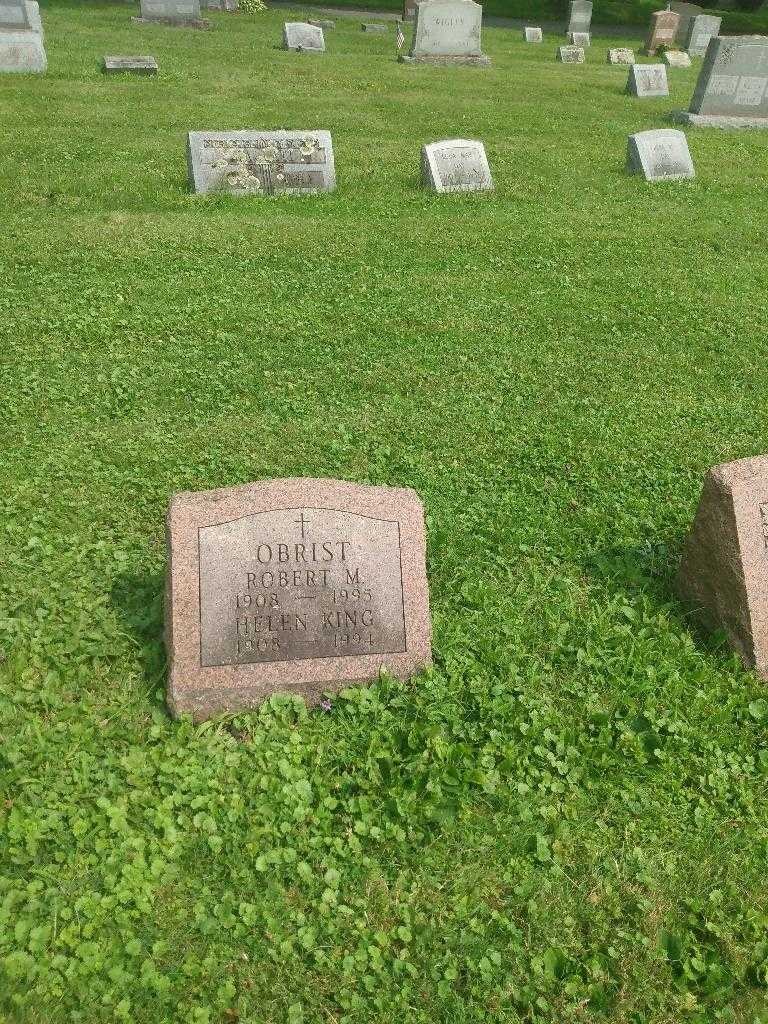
(325, 704)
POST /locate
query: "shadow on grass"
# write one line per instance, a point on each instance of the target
(138, 600)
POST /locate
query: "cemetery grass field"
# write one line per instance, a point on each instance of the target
(564, 819)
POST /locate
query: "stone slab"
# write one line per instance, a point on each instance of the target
(322, 23)
(22, 52)
(303, 37)
(115, 65)
(660, 154)
(676, 59)
(372, 26)
(292, 586)
(261, 163)
(701, 29)
(15, 16)
(571, 54)
(455, 165)
(35, 20)
(685, 12)
(447, 32)
(579, 39)
(663, 30)
(723, 575)
(533, 34)
(647, 81)
(621, 55)
(733, 81)
(579, 16)
(715, 121)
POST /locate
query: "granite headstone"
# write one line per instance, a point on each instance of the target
(323, 23)
(701, 29)
(732, 88)
(374, 26)
(621, 55)
(676, 59)
(664, 25)
(532, 34)
(579, 39)
(570, 54)
(685, 12)
(292, 586)
(303, 37)
(116, 65)
(447, 32)
(455, 165)
(659, 154)
(723, 576)
(647, 80)
(579, 16)
(261, 163)
(21, 38)
(172, 12)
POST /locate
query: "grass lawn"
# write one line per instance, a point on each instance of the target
(565, 820)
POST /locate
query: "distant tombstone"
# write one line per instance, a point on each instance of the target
(676, 59)
(580, 39)
(732, 88)
(579, 16)
(261, 163)
(659, 155)
(533, 35)
(447, 32)
(21, 39)
(230, 6)
(621, 55)
(685, 12)
(172, 12)
(570, 54)
(130, 65)
(409, 9)
(701, 29)
(647, 80)
(662, 32)
(293, 586)
(723, 575)
(455, 165)
(374, 26)
(303, 37)
(322, 23)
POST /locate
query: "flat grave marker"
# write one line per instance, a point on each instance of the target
(455, 165)
(570, 54)
(322, 23)
(676, 59)
(647, 80)
(292, 586)
(660, 154)
(723, 575)
(303, 37)
(447, 32)
(532, 34)
(374, 26)
(621, 55)
(580, 39)
(115, 65)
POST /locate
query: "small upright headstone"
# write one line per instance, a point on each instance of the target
(172, 12)
(570, 54)
(660, 154)
(455, 165)
(676, 59)
(292, 586)
(303, 37)
(647, 80)
(621, 55)
(580, 39)
(579, 16)
(732, 88)
(447, 32)
(664, 25)
(701, 29)
(532, 34)
(21, 38)
(130, 65)
(373, 26)
(261, 163)
(685, 12)
(723, 576)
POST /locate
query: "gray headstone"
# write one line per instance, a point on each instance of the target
(33, 13)
(295, 586)
(447, 32)
(686, 12)
(532, 34)
(701, 29)
(570, 54)
(177, 11)
(579, 39)
(300, 35)
(732, 88)
(22, 52)
(579, 16)
(130, 65)
(659, 154)
(646, 80)
(374, 26)
(409, 10)
(676, 59)
(621, 55)
(261, 163)
(455, 165)
(15, 16)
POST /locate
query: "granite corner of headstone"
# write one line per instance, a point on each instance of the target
(723, 575)
(373, 26)
(295, 586)
(660, 154)
(455, 165)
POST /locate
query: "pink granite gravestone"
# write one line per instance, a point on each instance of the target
(724, 572)
(662, 32)
(292, 586)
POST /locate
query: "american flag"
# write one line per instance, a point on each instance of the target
(399, 37)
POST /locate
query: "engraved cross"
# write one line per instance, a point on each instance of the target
(302, 522)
